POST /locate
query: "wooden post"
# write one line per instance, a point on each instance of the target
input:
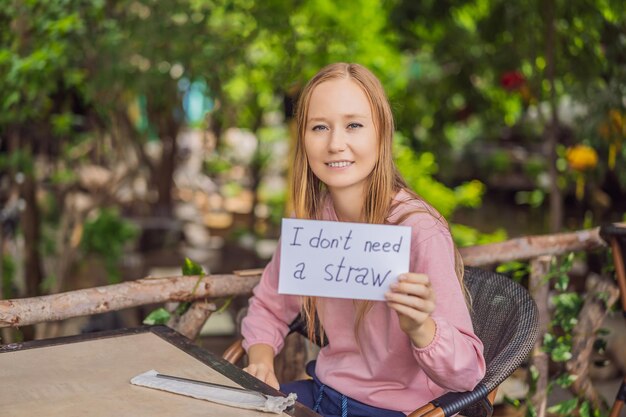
(539, 289)
(190, 324)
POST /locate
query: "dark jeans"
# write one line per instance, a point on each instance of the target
(331, 403)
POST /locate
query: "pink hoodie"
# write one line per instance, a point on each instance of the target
(387, 371)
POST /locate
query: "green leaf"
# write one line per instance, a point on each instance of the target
(548, 338)
(566, 380)
(512, 401)
(158, 316)
(106, 236)
(182, 308)
(562, 282)
(561, 353)
(585, 409)
(564, 407)
(190, 268)
(534, 373)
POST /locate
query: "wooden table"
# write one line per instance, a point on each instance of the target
(88, 375)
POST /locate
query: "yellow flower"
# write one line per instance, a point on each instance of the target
(581, 157)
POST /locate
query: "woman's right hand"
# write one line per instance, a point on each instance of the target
(263, 372)
(261, 364)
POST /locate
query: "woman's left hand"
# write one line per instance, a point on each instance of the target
(413, 299)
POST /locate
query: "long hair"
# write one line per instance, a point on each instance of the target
(308, 192)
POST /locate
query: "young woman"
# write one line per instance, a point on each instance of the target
(383, 358)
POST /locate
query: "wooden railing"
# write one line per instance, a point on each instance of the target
(26, 311)
(539, 250)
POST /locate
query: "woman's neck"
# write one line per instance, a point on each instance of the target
(348, 204)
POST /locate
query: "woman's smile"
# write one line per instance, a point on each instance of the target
(339, 164)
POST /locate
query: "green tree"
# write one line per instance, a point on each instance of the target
(487, 71)
(41, 83)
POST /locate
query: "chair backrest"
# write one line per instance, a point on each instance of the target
(505, 318)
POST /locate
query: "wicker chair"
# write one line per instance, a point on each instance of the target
(615, 236)
(504, 317)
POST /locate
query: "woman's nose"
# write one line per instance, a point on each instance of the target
(337, 142)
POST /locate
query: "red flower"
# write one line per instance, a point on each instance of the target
(512, 80)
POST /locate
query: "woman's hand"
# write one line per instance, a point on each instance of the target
(261, 364)
(263, 372)
(414, 300)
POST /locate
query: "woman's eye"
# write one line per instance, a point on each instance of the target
(354, 125)
(318, 127)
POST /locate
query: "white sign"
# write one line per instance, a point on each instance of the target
(342, 260)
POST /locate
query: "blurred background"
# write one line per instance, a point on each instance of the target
(134, 134)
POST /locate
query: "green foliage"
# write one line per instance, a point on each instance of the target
(161, 315)
(64, 176)
(106, 236)
(38, 55)
(499, 162)
(216, 165)
(564, 408)
(468, 236)
(557, 342)
(158, 316)
(533, 198)
(276, 203)
(21, 161)
(458, 102)
(565, 380)
(515, 269)
(559, 347)
(231, 189)
(419, 169)
(191, 268)
(567, 305)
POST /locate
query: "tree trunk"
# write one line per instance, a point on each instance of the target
(164, 175)
(190, 323)
(5, 334)
(257, 167)
(29, 222)
(24, 178)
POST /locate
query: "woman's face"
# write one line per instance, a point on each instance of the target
(340, 137)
